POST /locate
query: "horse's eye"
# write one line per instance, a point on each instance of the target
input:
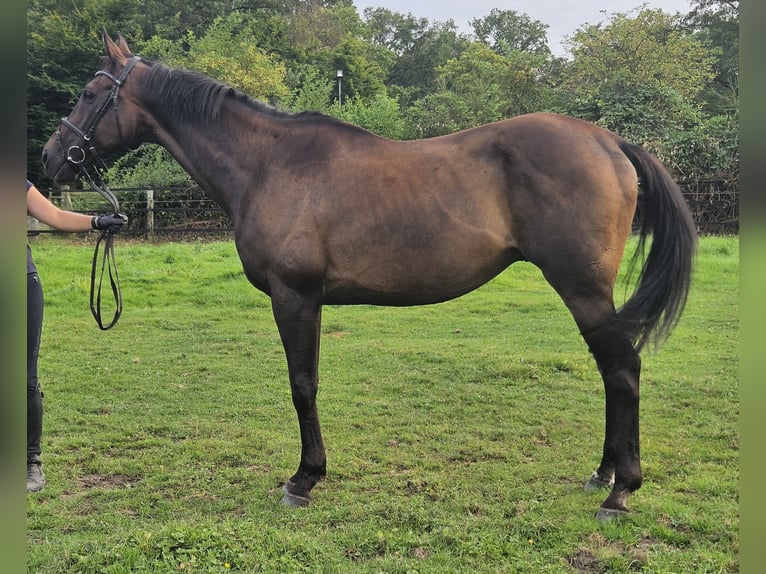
(88, 96)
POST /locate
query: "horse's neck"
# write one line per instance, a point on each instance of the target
(215, 155)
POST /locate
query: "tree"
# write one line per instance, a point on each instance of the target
(380, 114)
(329, 36)
(507, 31)
(228, 52)
(716, 24)
(311, 90)
(632, 72)
(418, 48)
(648, 48)
(61, 55)
(363, 77)
(315, 26)
(645, 77)
(714, 152)
(494, 86)
(436, 114)
(481, 86)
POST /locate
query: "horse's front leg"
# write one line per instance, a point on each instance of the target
(298, 318)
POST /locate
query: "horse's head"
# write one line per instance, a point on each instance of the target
(104, 120)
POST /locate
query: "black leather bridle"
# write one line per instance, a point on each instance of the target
(76, 156)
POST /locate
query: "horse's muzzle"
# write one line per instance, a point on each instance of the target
(56, 167)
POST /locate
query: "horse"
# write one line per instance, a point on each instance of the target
(325, 212)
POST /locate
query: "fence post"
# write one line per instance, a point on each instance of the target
(150, 213)
(66, 200)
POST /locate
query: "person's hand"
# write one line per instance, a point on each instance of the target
(112, 222)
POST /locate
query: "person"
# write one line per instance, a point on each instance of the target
(41, 208)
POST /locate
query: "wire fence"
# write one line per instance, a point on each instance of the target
(163, 214)
(714, 205)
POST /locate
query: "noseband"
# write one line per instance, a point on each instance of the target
(76, 155)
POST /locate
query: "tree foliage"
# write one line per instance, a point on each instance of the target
(416, 49)
(648, 49)
(646, 77)
(380, 115)
(228, 52)
(669, 82)
(477, 87)
(507, 31)
(716, 24)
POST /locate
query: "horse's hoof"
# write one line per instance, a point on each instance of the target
(595, 482)
(293, 500)
(609, 514)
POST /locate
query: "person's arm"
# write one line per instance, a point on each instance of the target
(39, 207)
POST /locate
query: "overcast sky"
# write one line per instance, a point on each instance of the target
(563, 17)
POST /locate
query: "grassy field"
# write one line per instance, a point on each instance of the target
(458, 435)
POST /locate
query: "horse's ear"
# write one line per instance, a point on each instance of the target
(114, 51)
(124, 47)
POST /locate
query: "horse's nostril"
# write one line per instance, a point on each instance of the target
(45, 157)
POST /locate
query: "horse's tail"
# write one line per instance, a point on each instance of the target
(663, 283)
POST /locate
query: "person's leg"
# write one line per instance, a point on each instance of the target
(35, 476)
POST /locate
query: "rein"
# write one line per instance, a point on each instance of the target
(76, 155)
(108, 261)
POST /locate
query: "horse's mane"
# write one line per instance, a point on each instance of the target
(186, 95)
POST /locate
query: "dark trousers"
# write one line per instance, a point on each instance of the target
(34, 393)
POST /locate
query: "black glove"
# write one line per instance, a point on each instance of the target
(110, 222)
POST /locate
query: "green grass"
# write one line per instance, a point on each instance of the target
(458, 435)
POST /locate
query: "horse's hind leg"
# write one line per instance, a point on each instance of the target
(620, 467)
(588, 295)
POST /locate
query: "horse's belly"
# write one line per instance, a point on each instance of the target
(415, 278)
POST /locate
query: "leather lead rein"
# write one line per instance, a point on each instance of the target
(109, 263)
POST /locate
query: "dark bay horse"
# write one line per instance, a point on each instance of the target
(328, 213)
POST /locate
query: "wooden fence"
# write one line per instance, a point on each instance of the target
(187, 212)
